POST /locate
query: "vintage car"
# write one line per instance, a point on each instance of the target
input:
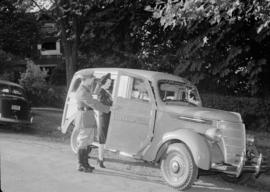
(15, 109)
(158, 118)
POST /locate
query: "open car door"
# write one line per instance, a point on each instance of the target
(70, 108)
(132, 116)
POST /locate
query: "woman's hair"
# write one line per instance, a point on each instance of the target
(101, 82)
(104, 78)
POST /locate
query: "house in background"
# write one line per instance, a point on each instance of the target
(49, 54)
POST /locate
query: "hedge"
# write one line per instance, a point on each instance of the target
(254, 111)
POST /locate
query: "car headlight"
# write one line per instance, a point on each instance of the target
(214, 134)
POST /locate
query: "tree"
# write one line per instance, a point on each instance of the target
(113, 34)
(19, 30)
(69, 15)
(218, 40)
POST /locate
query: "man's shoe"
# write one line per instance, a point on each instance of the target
(85, 169)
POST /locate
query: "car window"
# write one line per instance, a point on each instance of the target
(76, 85)
(139, 90)
(132, 88)
(124, 85)
(173, 91)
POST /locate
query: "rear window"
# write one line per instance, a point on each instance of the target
(11, 90)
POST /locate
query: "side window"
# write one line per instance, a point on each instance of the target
(76, 85)
(124, 86)
(139, 90)
(132, 88)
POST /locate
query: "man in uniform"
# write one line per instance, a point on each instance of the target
(85, 119)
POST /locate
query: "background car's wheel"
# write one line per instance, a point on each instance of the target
(74, 141)
(252, 153)
(178, 167)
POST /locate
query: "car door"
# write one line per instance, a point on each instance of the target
(132, 115)
(70, 108)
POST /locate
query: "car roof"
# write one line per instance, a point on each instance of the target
(150, 75)
(10, 83)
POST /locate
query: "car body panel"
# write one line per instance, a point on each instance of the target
(160, 115)
(14, 106)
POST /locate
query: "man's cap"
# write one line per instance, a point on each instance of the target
(87, 76)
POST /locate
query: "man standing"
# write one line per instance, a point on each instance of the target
(85, 119)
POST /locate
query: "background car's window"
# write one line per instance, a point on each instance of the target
(139, 90)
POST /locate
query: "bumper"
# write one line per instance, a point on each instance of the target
(257, 167)
(10, 120)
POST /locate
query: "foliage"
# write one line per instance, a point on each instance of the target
(38, 91)
(69, 15)
(19, 30)
(254, 111)
(112, 34)
(4, 59)
(34, 77)
(58, 76)
(220, 42)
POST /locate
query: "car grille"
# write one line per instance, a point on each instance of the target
(233, 143)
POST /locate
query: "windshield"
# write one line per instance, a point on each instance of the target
(11, 90)
(174, 91)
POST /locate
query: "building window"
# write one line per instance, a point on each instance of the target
(49, 46)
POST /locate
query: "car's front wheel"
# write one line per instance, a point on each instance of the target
(178, 167)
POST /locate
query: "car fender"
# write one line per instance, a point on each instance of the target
(67, 124)
(196, 143)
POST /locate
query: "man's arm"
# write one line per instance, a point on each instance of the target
(95, 104)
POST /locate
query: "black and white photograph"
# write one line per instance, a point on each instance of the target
(134, 95)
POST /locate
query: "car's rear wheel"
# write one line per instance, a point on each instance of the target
(178, 167)
(74, 140)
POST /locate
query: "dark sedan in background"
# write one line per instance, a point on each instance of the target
(15, 109)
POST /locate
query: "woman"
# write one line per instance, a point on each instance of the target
(104, 97)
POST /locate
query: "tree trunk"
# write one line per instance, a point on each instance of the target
(70, 44)
(69, 61)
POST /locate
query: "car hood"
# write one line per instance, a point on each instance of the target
(204, 113)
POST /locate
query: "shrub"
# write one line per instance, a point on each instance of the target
(37, 89)
(254, 111)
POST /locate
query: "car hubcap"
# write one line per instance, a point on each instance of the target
(175, 167)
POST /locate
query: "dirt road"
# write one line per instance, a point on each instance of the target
(31, 164)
